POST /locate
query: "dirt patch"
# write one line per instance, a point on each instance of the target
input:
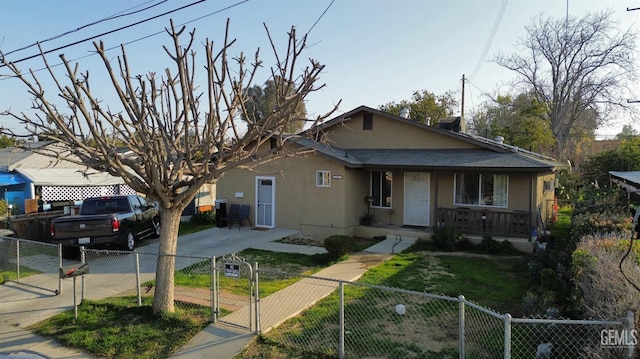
(302, 240)
(369, 260)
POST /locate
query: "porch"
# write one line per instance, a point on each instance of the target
(514, 224)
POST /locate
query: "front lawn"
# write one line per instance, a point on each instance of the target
(116, 328)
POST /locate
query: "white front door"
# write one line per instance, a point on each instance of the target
(416, 198)
(265, 203)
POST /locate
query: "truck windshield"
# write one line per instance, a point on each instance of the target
(105, 206)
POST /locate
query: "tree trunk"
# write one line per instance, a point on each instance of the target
(163, 297)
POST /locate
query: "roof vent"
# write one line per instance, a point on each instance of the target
(499, 139)
(404, 113)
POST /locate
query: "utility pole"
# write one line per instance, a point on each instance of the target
(462, 101)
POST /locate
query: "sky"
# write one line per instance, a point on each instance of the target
(374, 51)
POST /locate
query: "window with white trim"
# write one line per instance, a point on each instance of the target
(481, 189)
(323, 178)
(381, 188)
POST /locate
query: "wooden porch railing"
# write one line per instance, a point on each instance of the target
(486, 222)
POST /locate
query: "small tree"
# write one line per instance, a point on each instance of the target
(425, 107)
(179, 138)
(520, 120)
(261, 101)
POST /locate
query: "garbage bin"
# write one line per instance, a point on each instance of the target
(221, 213)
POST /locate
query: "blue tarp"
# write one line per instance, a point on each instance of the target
(9, 179)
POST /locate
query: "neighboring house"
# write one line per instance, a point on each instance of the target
(25, 176)
(629, 181)
(402, 173)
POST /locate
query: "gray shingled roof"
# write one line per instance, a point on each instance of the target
(435, 159)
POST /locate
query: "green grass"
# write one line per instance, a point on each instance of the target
(12, 274)
(187, 227)
(116, 328)
(293, 264)
(561, 229)
(491, 281)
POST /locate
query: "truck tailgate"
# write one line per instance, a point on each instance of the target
(85, 226)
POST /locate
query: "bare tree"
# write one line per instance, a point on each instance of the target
(576, 67)
(179, 137)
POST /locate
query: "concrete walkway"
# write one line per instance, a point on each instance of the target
(22, 305)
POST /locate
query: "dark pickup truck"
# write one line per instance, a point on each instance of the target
(107, 221)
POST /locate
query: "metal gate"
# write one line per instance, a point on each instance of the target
(35, 264)
(233, 292)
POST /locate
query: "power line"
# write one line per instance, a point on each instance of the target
(494, 30)
(320, 17)
(143, 37)
(482, 92)
(106, 33)
(111, 17)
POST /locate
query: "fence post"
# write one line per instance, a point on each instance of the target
(341, 324)
(507, 336)
(83, 259)
(18, 260)
(257, 291)
(214, 317)
(630, 334)
(461, 328)
(60, 266)
(138, 289)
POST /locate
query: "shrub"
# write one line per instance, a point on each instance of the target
(603, 290)
(449, 238)
(338, 246)
(204, 218)
(601, 200)
(600, 223)
(491, 246)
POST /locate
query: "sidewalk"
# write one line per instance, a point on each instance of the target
(23, 305)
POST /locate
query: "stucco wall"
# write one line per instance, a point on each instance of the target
(388, 133)
(299, 204)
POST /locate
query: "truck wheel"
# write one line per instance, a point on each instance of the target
(129, 241)
(156, 226)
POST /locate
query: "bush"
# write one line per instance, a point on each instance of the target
(606, 222)
(603, 290)
(204, 218)
(489, 245)
(338, 246)
(601, 200)
(449, 238)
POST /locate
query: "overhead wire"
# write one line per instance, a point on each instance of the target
(320, 17)
(487, 46)
(106, 33)
(111, 17)
(146, 36)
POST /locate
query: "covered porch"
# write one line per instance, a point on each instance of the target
(482, 221)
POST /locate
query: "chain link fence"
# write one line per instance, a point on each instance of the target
(324, 317)
(131, 276)
(25, 258)
(355, 320)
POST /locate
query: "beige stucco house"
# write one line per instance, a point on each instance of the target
(405, 174)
